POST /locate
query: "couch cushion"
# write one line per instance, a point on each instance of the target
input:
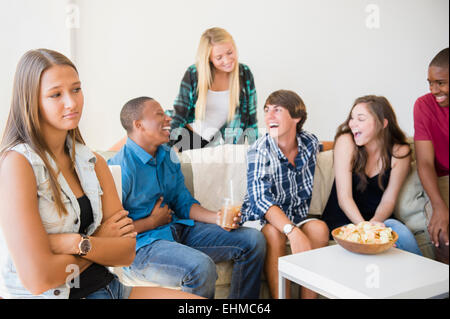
(323, 182)
(410, 209)
(411, 202)
(186, 170)
(213, 168)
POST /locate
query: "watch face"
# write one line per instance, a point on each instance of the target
(85, 246)
(287, 228)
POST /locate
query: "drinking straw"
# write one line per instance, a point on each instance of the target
(231, 191)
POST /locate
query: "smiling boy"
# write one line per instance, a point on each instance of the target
(178, 241)
(280, 176)
(431, 139)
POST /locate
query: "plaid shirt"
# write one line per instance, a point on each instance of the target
(272, 180)
(245, 115)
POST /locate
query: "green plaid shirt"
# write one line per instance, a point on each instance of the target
(244, 122)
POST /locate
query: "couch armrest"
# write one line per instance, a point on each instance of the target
(326, 146)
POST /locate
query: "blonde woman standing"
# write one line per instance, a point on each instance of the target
(217, 98)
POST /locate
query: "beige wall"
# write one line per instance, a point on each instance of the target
(323, 49)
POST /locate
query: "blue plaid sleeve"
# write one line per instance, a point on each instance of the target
(259, 184)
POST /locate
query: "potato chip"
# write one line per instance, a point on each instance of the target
(366, 233)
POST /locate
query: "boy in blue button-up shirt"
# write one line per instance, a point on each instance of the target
(178, 241)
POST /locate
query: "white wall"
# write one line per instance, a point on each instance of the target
(25, 25)
(322, 49)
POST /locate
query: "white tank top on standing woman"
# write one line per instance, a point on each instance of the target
(216, 114)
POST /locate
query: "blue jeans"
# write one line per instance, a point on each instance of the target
(114, 290)
(406, 240)
(189, 261)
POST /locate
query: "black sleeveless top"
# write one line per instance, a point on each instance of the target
(367, 201)
(95, 276)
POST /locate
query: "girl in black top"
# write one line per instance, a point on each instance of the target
(371, 162)
(367, 201)
(47, 104)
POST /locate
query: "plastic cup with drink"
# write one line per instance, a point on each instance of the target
(230, 209)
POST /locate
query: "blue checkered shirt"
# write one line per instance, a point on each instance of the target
(272, 180)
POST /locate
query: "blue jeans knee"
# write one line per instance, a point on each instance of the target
(201, 279)
(173, 264)
(406, 240)
(256, 243)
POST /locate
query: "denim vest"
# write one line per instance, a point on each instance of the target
(10, 284)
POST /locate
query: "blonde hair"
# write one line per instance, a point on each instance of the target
(23, 124)
(205, 71)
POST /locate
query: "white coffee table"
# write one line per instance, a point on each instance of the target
(334, 272)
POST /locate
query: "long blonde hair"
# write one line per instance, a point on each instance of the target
(23, 124)
(205, 71)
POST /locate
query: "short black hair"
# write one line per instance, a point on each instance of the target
(132, 111)
(441, 59)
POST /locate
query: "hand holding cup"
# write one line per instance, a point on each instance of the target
(229, 215)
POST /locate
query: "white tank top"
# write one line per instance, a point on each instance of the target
(216, 114)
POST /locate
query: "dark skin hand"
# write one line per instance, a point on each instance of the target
(438, 225)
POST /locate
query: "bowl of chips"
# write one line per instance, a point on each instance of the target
(365, 238)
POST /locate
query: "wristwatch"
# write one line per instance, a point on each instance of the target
(287, 229)
(84, 247)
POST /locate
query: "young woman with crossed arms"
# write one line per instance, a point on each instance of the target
(60, 214)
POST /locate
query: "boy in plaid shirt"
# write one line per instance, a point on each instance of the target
(280, 177)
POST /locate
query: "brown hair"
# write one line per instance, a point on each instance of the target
(381, 109)
(292, 102)
(23, 124)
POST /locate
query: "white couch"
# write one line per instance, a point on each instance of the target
(208, 172)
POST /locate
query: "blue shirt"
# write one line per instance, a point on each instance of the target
(272, 180)
(145, 179)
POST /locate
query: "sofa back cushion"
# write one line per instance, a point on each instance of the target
(212, 169)
(410, 206)
(323, 182)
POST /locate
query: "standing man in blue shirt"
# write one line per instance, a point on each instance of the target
(178, 241)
